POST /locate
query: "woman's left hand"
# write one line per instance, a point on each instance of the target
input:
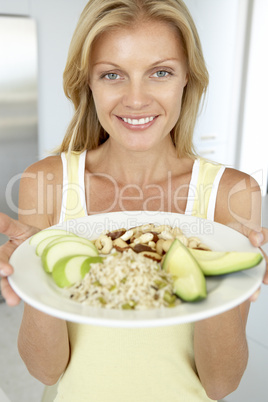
(258, 239)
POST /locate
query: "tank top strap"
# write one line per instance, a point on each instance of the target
(203, 189)
(73, 191)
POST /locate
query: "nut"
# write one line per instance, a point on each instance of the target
(166, 235)
(120, 244)
(127, 235)
(193, 242)
(176, 231)
(152, 255)
(104, 244)
(159, 246)
(202, 246)
(114, 234)
(144, 238)
(167, 244)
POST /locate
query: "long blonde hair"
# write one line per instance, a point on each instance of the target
(85, 131)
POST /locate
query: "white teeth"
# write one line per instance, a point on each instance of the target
(137, 122)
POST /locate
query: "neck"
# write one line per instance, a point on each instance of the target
(139, 167)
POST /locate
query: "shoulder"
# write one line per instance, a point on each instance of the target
(51, 164)
(40, 192)
(239, 199)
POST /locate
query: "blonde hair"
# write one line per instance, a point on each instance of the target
(85, 131)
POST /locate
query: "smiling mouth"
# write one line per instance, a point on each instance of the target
(138, 122)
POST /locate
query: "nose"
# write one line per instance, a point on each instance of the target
(136, 95)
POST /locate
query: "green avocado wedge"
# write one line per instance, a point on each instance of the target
(69, 270)
(189, 280)
(220, 263)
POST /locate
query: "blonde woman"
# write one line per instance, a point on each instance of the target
(136, 75)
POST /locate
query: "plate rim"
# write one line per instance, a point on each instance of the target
(137, 318)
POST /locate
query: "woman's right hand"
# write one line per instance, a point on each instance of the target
(17, 233)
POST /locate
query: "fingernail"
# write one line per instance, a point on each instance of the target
(260, 237)
(3, 273)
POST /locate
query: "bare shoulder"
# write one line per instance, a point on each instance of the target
(50, 165)
(40, 192)
(239, 199)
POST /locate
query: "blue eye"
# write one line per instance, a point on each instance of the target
(161, 73)
(112, 76)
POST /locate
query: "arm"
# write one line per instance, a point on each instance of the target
(43, 340)
(17, 234)
(220, 344)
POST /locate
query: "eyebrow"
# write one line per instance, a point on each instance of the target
(153, 64)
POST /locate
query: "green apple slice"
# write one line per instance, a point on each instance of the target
(49, 241)
(189, 281)
(54, 252)
(43, 234)
(43, 243)
(219, 263)
(69, 270)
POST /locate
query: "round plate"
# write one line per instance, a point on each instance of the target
(37, 288)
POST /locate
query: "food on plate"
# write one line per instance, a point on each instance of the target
(189, 281)
(147, 266)
(71, 269)
(125, 281)
(43, 243)
(64, 248)
(43, 234)
(220, 262)
(55, 244)
(153, 241)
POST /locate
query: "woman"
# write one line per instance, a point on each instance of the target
(136, 75)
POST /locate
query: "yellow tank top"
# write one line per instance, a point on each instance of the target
(140, 364)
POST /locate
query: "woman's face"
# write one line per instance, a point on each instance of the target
(137, 77)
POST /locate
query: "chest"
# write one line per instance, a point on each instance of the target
(104, 194)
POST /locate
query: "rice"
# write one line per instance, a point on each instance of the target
(125, 281)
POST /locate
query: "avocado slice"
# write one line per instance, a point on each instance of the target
(189, 281)
(219, 263)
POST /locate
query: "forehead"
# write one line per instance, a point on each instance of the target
(154, 39)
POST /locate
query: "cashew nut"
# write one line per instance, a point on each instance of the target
(104, 244)
(167, 244)
(144, 238)
(159, 246)
(166, 235)
(193, 242)
(127, 235)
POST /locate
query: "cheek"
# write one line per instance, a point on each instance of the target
(104, 100)
(173, 102)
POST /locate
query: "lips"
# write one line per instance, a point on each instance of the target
(138, 122)
(135, 122)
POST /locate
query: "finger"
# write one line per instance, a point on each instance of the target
(12, 299)
(258, 238)
(6, 251)
(14, 229)
(255, 295)
(265, 278)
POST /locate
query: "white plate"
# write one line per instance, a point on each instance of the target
(37, 288)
